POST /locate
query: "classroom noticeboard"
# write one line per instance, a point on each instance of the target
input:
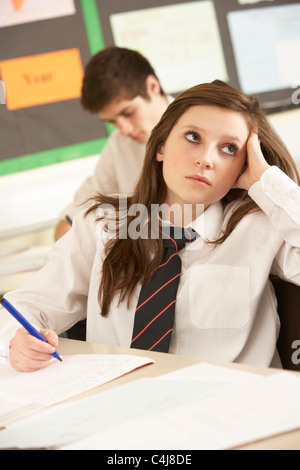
(44, 48)
(187, 42)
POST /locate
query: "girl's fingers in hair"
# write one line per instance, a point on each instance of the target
(256, 161)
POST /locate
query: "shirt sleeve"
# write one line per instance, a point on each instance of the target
(56, 296)
(279, 197)
(102, 180)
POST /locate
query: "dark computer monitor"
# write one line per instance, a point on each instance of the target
(260, 41)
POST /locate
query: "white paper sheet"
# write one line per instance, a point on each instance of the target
(228, 417)
(64, 424)
(200, 407)
(9, 250)
(18, 11)
(60, 380)
(246, 2)
(204, 371)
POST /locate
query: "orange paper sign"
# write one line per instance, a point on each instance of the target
(42, 79)
(17, 4)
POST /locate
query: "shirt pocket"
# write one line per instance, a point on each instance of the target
(219, 296)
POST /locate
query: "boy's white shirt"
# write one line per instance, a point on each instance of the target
(117, 171)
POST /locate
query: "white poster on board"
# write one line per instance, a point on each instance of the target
(182, 42)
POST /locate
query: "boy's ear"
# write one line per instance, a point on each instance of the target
(152, 85)
(160, 154)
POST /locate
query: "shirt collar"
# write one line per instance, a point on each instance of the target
(208, 225)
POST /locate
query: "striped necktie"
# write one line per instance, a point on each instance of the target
(154, 315)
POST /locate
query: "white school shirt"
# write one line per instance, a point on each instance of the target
(117, 171)
(225, 308)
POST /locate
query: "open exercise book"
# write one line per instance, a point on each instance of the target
(24, 393)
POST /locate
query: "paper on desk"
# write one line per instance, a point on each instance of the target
(169, 414)
(62, 380)
(26, 260)
(228, 417)
(204, 371)
(12, 409)
(8, 250)
(246, 2)
(73, 421)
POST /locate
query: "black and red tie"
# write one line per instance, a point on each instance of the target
(154, 315)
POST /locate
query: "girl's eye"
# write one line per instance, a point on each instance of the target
(192, 136)
(230, 149)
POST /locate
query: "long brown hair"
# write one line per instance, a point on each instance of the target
(130, 261)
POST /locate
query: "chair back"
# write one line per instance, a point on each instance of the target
(288, 344)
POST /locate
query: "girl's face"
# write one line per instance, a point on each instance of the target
(203, 155)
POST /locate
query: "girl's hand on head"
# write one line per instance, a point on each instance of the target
(256, 164)
(28, 353)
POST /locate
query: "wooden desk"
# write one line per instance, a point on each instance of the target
(167, 363)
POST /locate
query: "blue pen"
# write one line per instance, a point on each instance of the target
(8, 306)
(69, 219)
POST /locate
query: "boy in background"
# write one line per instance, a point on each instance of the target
(121, 87)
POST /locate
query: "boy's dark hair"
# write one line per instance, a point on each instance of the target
(115, 72)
